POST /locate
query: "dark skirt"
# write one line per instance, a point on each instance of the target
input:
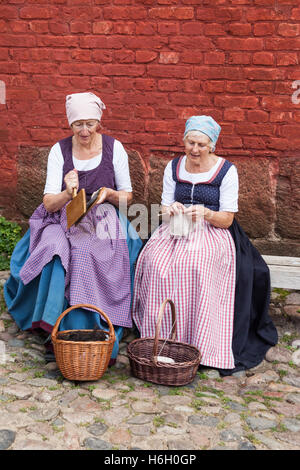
(253, 331)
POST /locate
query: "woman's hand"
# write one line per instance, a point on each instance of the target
(55, 202)
(175, 208)
(196, 212)
(219, 219)
(71, 181)
(120, 199)
(103, 195)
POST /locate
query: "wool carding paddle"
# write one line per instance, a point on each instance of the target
(78, 207)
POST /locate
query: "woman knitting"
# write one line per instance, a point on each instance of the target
(217, 280)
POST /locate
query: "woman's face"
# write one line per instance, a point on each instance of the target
(196, 145)
(85, 130)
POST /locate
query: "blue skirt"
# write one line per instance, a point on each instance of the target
(39, 303)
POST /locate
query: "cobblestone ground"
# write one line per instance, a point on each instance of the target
(257, 409)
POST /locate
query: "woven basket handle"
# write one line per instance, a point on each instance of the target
(158, 326)
(62, 315)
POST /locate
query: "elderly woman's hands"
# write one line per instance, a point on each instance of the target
(174, 208)
(170, 211)
(219, 219)
(196, 212)
(120, 198)
(103, 195)
(54, 202)
(71, 181)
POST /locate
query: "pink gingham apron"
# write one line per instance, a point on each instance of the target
(198, 274)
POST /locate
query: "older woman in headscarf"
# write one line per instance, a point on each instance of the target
(217, 280)
(54, 267)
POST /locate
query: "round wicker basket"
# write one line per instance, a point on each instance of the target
(82, 360)
(143, 356)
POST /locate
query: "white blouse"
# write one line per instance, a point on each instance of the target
(56, 162)
(229, 188)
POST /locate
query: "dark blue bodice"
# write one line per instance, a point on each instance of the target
(207, 193)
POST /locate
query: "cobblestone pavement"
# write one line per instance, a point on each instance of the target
(257, 409)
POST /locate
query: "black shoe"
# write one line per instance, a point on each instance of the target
(50, 357)
(47, 339)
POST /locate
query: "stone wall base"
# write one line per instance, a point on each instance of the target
(269, 198)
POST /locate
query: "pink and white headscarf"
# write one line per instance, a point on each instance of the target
(83, 106)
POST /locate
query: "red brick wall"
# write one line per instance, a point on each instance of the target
(154, 63)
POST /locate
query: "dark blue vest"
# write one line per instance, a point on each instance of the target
(207, 193)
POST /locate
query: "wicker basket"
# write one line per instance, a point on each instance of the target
(143, 352)
(82, 360)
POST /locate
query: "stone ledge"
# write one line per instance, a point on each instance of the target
(268, 204)
(280, 247)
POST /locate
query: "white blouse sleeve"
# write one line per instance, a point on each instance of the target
(168, 186)
(229, 191)
(121, 168)
(54, 171)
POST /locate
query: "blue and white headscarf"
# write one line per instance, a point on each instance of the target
(205, 124)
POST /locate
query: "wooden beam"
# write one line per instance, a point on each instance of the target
(282, 260)
(284, 271)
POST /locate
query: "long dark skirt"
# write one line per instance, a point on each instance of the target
(253, 331)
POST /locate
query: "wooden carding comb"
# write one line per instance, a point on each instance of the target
(76, 208)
